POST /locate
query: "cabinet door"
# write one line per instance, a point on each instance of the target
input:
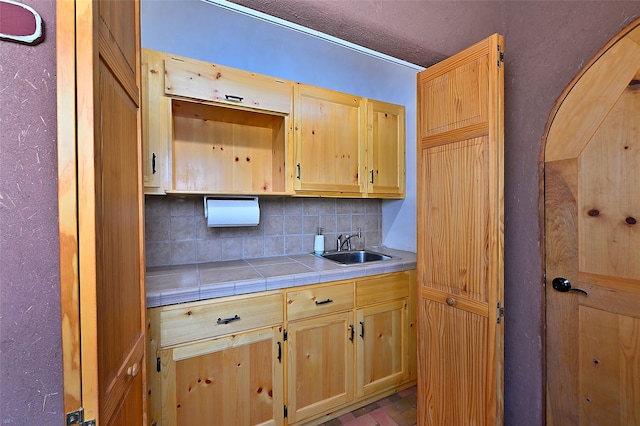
(200, 80)
(382, 332)
(235, 380)
(385, 149)
(329, 134)
(156, 124)
(320, 364)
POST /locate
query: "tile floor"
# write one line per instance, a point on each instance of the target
(398, 409)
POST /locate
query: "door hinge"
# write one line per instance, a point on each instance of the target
(501, 56)
(77, 418)
(158, 365)
(500, 313)
(286, 412)
(284, 335)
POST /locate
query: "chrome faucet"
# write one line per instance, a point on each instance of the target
(347, 240)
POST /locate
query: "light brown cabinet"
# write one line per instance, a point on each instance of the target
(385, 147)
(217, 362)
(340, 345)
(383, 332)
(211, 129)
(329, 132)
(319, 365)
(156, 124)
(320, 343)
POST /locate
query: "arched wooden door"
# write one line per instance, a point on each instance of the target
(592, 242)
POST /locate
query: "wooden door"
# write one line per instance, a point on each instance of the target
(592, 244)
(329, 131)
(100, 208)
(385, 175)
(460, 238)
(319, 364)
(234, 380)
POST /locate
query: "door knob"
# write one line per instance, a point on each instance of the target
(564, 285)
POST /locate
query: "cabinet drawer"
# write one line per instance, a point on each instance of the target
(382, 288)
(319, 300)
(202, 320)
(211, 82)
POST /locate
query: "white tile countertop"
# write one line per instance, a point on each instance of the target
(167, 285)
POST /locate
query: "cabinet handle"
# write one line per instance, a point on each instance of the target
(233, 98)
(362, 325)
(353, 331)
(228, 320)
(298, 167)
(153, 163)
(280, 352)
(324, 302)
(371, 176)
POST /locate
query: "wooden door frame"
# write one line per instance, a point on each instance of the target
(541, 205)
(68, 203)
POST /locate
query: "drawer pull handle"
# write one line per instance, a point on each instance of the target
(233, 98)
(228, 320)
(324, 302)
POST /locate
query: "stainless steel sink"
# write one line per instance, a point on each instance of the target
(355, 256)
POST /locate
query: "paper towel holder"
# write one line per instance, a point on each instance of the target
(242, 202)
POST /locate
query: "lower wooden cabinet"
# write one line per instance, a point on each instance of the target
(382, 324)
(382, 346)
(234, 380)
(297, 357)
(320, 364)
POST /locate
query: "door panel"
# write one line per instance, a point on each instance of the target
(101, 258)
(592, 240)
(460, 238)
(320, 364)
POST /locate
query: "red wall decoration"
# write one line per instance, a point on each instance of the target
(20, 23)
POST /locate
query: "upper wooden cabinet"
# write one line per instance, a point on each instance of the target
(195, 79)
(385, 150)
(329, 132)
(211, 129)
(214, 130)
(156, 124)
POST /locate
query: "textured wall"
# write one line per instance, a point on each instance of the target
(30, 348)
(547, 43)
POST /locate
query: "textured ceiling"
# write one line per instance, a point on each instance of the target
(417, 31)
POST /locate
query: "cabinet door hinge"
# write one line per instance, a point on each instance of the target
(501, 56)
(286, 412)
(77, 418)
(284, 335)
(500, 313)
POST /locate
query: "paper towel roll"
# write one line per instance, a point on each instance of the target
(236, 211)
